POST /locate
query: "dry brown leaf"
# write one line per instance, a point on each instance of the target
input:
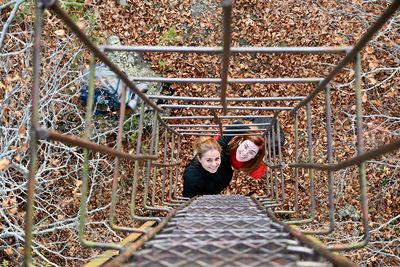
(60, 32)
(9, 251)
(4, 164)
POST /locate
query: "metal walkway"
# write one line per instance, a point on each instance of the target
(224, 230)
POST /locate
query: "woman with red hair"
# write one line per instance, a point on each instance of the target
(246, 153)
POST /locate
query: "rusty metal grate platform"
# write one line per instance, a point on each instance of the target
(222, 230)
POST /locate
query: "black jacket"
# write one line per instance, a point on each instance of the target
(198, 181)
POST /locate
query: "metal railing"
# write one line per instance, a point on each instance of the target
(174, 132)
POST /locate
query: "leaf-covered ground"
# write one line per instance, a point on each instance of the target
(254, 23)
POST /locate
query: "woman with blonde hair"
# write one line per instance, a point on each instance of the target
(209, 172)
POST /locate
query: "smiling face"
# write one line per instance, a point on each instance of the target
(246, 151)
(210, 160)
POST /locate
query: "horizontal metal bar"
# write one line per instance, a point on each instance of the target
(218, 50)
(217, 130)
(229, 99)
(215, 125)
(225, 134)
(220, 107)
(230, 80)
(75, 141)
(162, 164)
(353, 161)
(211, 117)
(351, 55)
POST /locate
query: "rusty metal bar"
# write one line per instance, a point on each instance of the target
(228, 99)
(172, 164)
(155, 165)
(278, 134)
(227, 36)
(164, 170)
(170, 170)
(178, 158)
(211, 117)
(373, 153)
(218, 121)
(136, 171)
(272, 132)
(280, 166)
(55, 7)
(331, 181)
(296, 158)
(361, 166)
(149, 167)
(331, 206)
(352, 54)
(221, 107)
(287, 80)
(226, 134)
(215, 125)
(33, 142)
(217, 131)
(76, 141)
(311, 171)
(233, 50)
(85, 169)
(116, 169)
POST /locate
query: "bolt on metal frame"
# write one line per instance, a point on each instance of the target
(272, 160)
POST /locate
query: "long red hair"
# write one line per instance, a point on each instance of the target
(255, 162)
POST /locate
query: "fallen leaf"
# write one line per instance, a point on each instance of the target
(4, 164)
(60, 32)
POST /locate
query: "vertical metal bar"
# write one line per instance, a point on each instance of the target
(296, 158)
(136, 170)
(177, 174)
(85, 168)
(116, 161)
(116, 167)
(164, 171)
(274, 160)
(178, 152)
(170, 168)
(280, 160)
(331, 207)
(281, 170)
(311, 159)
(153, 194)
(173, 178)
(267, 171)
(33, 142)
(331, 181)
(361, 167)
(149, 168)
(148, 162)
(218, 121)
(227, 14)
(310, 171)
(270, 170)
